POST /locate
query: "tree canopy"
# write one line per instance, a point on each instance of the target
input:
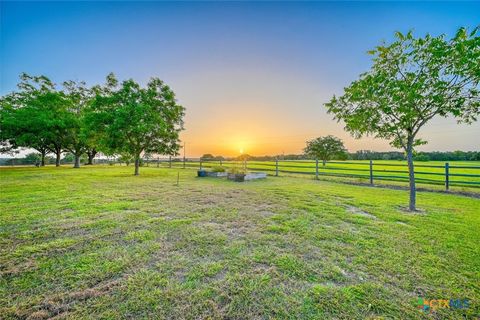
(412, 80)
(135, 120)
(31, 117)
(207, 156)
(325, 148)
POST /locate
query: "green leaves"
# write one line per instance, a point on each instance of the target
(124, 119)
(133, 119)
(325, 148)
(411, 81)
(31, 117)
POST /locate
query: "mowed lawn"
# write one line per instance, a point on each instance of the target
(97, 242)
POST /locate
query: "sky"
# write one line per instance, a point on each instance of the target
(253, 76)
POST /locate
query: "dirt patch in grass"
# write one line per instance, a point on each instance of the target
(418, 211)
(58, 306)
(356, 210)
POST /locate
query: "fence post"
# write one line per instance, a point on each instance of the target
(200, 163)
(158, 162)
(447, 179)
(316, 169)
(371, 172)
(276, 167)
(245, 164)
(169, 161)
(183, 162)
(221, 163)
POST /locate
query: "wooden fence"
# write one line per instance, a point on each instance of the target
(437, 173)
(444, 174)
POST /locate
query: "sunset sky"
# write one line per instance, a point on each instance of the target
(252, 76)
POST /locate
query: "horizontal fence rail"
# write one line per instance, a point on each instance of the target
(444, 174)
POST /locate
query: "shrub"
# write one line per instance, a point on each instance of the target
(236, 170)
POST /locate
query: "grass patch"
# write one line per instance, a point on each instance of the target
(97, 242)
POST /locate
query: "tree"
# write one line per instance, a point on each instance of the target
(32, 158)
(244, 157)
(30, 117)
(412, 80)
(325, 148)
(59, 128)
(79, 137)
(91, 153)
(133, 120)
(68, 157)
(207, 156)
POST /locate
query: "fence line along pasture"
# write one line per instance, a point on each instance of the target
(446, 174)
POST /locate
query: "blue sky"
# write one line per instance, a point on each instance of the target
(251, 75)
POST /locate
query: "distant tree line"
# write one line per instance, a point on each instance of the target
(419, 156)
(119, 119)
(363, 155)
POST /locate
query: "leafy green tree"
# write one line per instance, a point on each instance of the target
(32, 158)
(23, 128)
(412, 80)
(68, 157)
(133, 120)
(207, 156)
(59, 129)
(326, 148)
(81, 137)
(29, 117)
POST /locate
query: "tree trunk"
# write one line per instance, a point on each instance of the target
(91, 155)
(411, 177)
(324, 162)
(42, 161)
(90, 158)
(137, 165)
(77, 161)
(57, 159)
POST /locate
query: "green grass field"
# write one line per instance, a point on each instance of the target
(97, 242)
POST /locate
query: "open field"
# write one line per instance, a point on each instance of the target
(99, 242)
